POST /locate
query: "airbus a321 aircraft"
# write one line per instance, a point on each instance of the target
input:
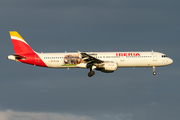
(107, 62)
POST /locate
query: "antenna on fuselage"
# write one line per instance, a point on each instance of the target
(152, 52)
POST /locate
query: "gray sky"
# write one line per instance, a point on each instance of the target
(36, 93)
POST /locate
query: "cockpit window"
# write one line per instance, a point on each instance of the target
(164, 56)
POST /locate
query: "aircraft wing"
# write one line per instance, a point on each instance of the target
(90, 59)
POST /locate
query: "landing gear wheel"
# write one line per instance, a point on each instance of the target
(154, 73)
(91, 73)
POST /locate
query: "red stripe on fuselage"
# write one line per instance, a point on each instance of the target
(33, 59)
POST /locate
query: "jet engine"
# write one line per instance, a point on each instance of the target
(107, 67)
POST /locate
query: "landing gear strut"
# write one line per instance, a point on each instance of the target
(91, 73)
(154, 73)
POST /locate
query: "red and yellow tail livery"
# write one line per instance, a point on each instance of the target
(23, 52)
(19, 44)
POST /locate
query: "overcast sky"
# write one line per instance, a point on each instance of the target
(35, 93)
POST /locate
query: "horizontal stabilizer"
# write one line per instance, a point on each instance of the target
(15, 57)
(18, 56)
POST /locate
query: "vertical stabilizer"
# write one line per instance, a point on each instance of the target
(19, 44)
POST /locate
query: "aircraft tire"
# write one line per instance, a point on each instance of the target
(91, 73)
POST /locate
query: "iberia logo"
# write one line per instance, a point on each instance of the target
(127, 54)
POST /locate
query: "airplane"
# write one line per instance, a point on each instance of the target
(106, 62)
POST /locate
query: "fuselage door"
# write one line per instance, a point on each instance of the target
(154, 56)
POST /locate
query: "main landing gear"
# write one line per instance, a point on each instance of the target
(91, 73)
(154, 73)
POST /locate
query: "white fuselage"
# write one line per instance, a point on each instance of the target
(123, 59)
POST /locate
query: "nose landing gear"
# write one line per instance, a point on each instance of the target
(154, 73)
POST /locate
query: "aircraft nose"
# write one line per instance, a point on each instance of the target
(170, 61)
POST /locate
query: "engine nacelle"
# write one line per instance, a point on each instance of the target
(110, 66)
(82, 65)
